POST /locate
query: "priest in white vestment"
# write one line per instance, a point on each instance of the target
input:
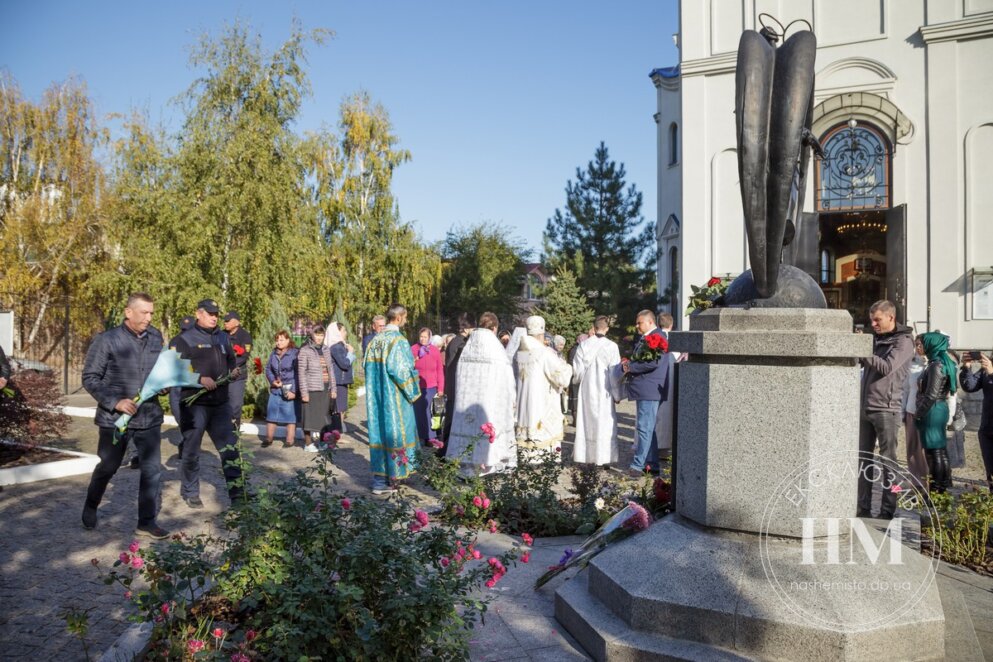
(541, 378)
(484, 393)
(596, 414)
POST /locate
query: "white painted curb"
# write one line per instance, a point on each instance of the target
(81, 463)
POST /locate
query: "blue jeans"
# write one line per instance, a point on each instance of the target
(646, 448)
(147, 442)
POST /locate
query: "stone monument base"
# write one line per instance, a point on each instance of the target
(680, 591)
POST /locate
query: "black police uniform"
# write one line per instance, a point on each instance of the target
(210, 353)
(236, 389)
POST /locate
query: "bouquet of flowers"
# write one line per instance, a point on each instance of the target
(220, 381)
(702, 298)
(629, 520)
(170, 370)
(651, 349)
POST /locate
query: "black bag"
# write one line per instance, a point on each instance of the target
(333, 414)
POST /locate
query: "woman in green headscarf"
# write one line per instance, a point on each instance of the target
(933, 387)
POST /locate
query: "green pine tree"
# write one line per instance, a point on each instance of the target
(566, 311)
(602, 236)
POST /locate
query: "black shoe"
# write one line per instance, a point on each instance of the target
(865, 514)
(154, 531)
(193, 502)
(135, 463)
(886, 516)
(267, 443)
(89, 517)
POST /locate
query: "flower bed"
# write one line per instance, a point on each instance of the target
(305, 571)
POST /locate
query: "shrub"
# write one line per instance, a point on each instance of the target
(307, 573)
(962, 530)
(32, 415)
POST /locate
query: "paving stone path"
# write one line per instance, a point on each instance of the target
(45, 553)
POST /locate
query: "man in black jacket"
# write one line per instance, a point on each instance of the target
(241, 343)
(982, 381)
(117, 364)
(209, 350)
(883, 379)
(452, 354)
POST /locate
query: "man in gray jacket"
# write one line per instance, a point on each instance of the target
(883, 380)
(117, 364)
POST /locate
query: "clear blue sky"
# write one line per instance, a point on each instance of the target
(498, 102)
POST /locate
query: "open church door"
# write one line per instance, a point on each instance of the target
(896, 260)
(802, 252)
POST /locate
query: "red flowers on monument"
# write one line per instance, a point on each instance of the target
(713, 281)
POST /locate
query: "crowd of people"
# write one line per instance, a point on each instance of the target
(483, 397)
(914, 382)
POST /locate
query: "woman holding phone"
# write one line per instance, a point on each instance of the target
(971, 383)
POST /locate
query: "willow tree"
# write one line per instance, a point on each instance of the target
(52, 196)
(223, 210)
(376, 257)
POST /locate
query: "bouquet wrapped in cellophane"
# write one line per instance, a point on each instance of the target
(169, 370)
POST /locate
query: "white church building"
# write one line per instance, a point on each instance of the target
(900, 208)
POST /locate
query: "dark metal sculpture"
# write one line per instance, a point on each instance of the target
(774, 103)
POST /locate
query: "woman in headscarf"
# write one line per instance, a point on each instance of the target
(343, 355)
(430, 368)
(316, 383)
(933, 387)
(916, 460)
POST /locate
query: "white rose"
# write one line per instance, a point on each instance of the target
(599, 504)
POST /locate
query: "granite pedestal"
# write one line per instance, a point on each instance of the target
(764, 558)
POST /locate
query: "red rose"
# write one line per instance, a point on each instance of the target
(238, 350)
(664, 344)
(654, 341)
(258, 366)
(713, 281)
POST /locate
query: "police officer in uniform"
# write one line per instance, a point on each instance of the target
(209, 350)
(241, 343)
(174, 394)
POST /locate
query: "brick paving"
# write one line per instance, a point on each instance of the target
(45, 553)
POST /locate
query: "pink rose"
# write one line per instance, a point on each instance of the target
(476, 554)
(164, 608)
(421, 517)
(240, 657)
(346, 504)
(134, 546)
(528, 540)
(137, 562)
(444, 561)
(490, 583)
(194, 646)
(250, 635)
(525, 557)
(125, 558)
(476, 501)
(218, 633)
(486, 504)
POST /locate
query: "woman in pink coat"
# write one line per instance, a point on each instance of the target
(430, 366)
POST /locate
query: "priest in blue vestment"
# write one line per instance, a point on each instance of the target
(391, 387)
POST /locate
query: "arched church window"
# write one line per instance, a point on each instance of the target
(674, 282)
(855, 170)
(673, 144)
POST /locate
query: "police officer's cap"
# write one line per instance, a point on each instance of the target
(209, 305)
(232, 315)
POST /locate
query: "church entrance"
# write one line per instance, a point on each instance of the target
(860, 237)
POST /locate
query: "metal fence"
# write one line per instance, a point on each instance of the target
(43, 337)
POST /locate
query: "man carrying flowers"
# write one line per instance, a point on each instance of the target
(647, 386)
(241, 343)
(209, 351)
(117, 364)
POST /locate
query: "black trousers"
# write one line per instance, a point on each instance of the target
(148, 443)
(215, 420)
(881, 426)
(236, 398)
(986, 447)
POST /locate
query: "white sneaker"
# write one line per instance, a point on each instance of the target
(310, 448)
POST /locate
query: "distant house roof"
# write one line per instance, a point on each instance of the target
(665, 72)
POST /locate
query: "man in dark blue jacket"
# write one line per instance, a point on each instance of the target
(117, 364)
(975, 381)
(647, 386)
(209, 350)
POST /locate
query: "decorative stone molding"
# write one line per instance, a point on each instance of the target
(864, 106)
(720, 64)
(980, 25)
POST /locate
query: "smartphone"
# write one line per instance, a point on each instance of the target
(975, 355)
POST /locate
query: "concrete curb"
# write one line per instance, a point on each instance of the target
(81, 463)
